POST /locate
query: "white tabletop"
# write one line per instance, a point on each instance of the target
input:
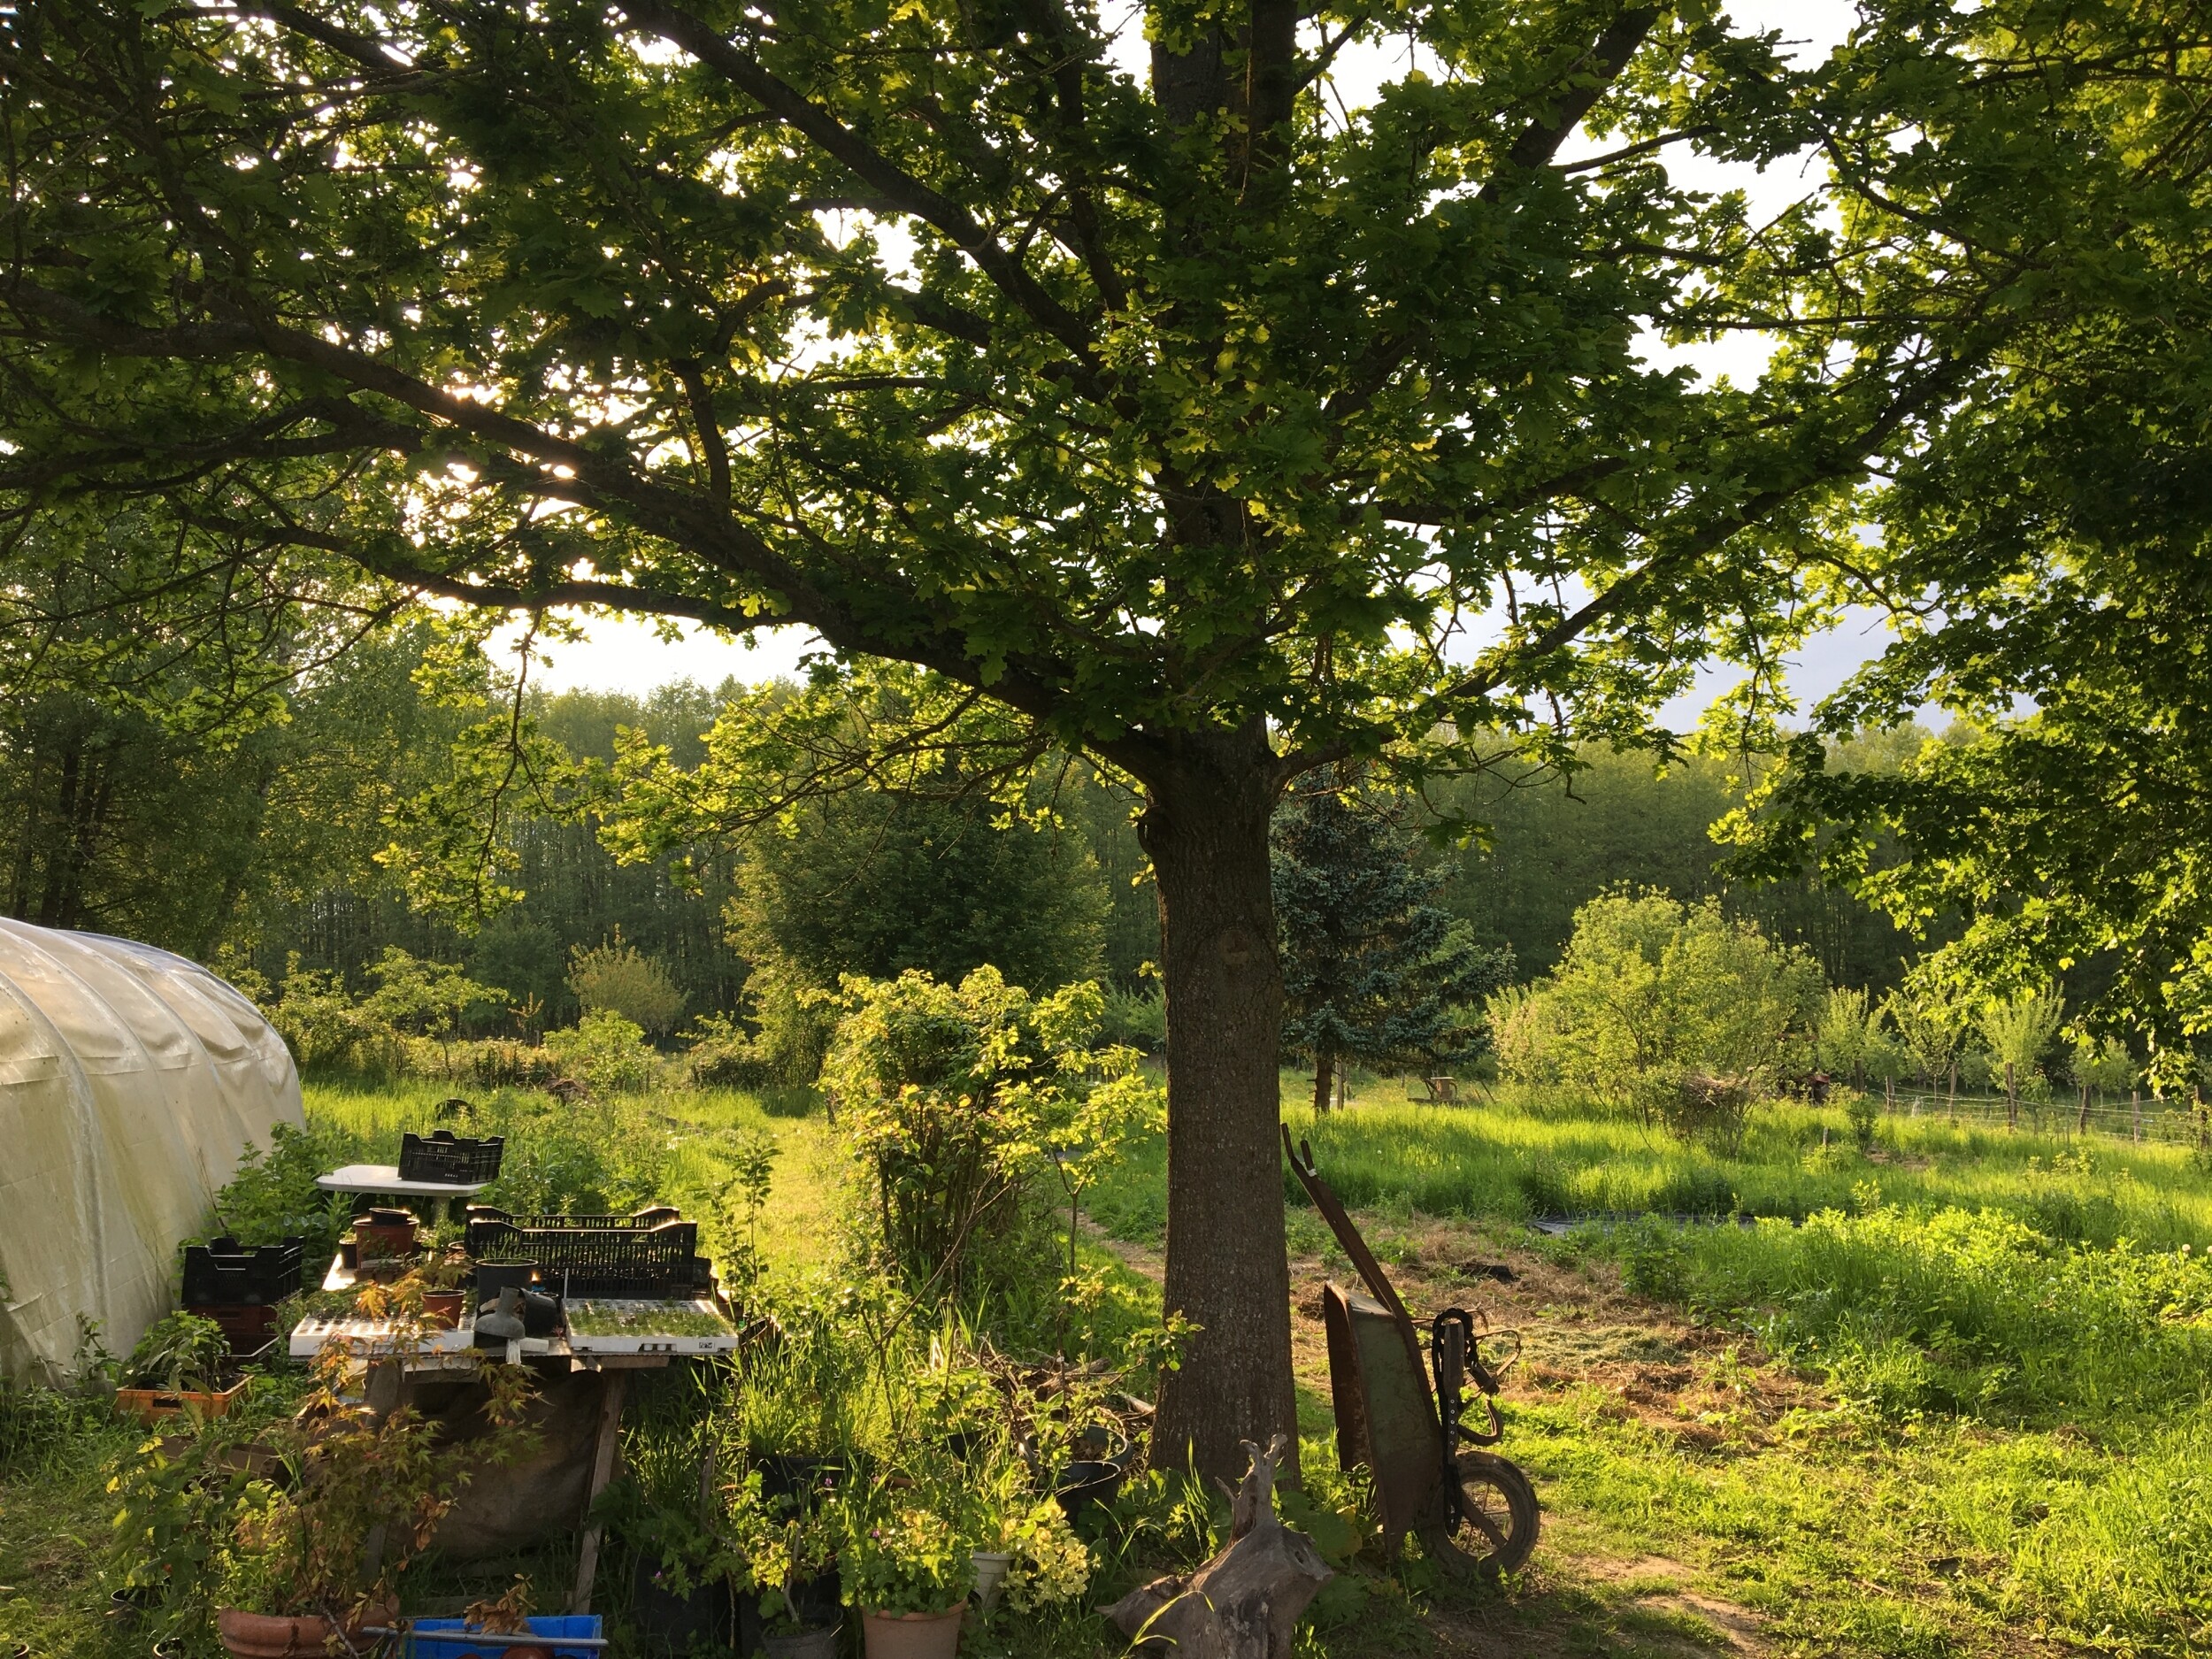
(384, 1177)
(442, 1349)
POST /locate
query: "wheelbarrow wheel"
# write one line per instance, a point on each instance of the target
(1498, 1518)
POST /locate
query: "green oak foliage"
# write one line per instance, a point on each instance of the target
(2051, 553)
(1189, 415)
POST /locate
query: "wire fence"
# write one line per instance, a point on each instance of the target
(2143, 1119)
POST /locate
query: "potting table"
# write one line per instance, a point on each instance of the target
(636, 1348)
(377, 1344)
(383, 1179)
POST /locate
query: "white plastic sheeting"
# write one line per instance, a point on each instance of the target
(130, 1082)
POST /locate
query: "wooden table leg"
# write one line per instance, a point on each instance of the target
(602, 1472)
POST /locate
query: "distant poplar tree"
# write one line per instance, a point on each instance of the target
(1374, 969)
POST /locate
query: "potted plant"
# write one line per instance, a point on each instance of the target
(1024, 1549)
(446, 1284)
(384, 1236)
(177, 1366)
(683, 1588)
(305, 1568)
(908, 1569)
(1045, 1564)
(788, 1539)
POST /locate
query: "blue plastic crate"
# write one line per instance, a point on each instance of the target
(422, 1644)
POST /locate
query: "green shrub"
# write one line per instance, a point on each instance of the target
(273, 1197)
(617, 977)
(502, 1062)
(1862, 1113)
(724, 1055)
(1136, 1019)
(606, 1051)
(1674, 1011)
(1654, 1259)
(955, 1101)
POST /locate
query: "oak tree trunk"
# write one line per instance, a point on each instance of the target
(1206, 828)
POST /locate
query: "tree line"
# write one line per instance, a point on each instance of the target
(286, 868)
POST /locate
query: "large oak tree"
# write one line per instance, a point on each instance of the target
(1182, 406)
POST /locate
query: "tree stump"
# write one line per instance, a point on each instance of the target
(1245, 1602)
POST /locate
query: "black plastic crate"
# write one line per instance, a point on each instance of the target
(652, 1255)
(223, 1274)
(450, 1159)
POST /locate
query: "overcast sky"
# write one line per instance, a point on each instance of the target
(626, 655)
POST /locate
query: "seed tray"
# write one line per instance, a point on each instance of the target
(618, 1325)
(224, 1274)
(651, 1256)
(453, 1160)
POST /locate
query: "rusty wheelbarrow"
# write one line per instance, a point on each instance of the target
(1404, 1419)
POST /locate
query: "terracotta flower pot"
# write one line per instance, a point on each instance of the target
(298, 1636)
(443, 1308)
(384, 1236)
(913, 1635)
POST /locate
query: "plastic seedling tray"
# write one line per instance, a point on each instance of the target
(443, 1156)
(652, 1255)
(613, 1324)
(227, 1274)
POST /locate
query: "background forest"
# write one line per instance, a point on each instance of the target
(286, 865)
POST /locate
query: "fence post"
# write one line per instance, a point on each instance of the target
(2082, 1123)
(1889, 1095)
(1955, 1091)
(2135, 1108)
(2012, 1099)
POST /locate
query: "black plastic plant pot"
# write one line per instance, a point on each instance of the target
(668, 1625)
(1101, 1445)
(784, 1476)
(820, 1605)
(1084, 1484)
(494, 1277)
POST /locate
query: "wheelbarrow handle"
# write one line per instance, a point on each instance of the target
(1332, 1208)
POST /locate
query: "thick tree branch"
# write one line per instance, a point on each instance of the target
(711, 447)
(871, 165)
(1582, 84)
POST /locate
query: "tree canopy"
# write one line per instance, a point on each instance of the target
(1188, 413)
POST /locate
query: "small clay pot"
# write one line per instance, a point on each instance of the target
(384, 1234)
(443, 1308)
(303, 1636)
(913, 1635)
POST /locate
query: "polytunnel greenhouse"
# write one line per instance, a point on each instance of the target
(131, 1081)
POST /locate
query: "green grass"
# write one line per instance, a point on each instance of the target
(2007, 1432)
(2012, 1334)
(1521, 1153)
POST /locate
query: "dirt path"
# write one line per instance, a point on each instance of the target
(1576, 1332)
